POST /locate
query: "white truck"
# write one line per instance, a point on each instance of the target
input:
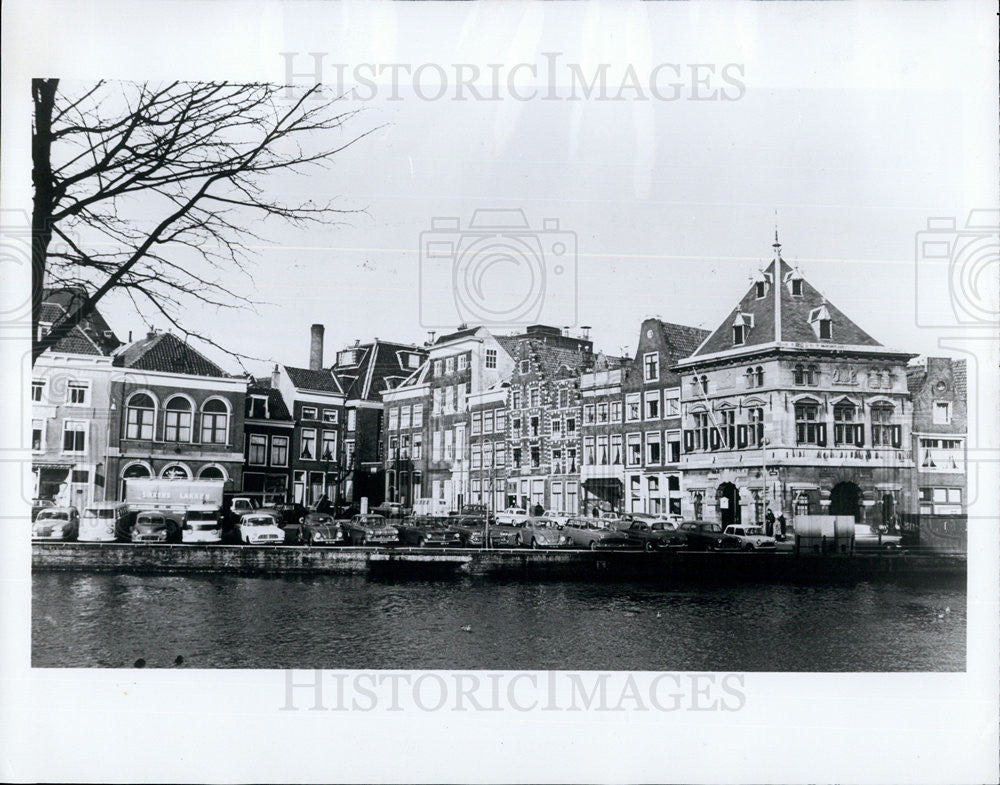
(174, 499)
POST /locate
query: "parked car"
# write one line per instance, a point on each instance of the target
(646, 517)
(652, 536)
(703, 536)
(202, 523)
(103, 522)
(259, 528)
(505, 535)
(594, 533)
(157, 526)
(559, 517)
(389, 510)
(290, 513)
(37, 505)
(424, 530)
(320, 528)
(512, 515)
(56, 523)
(471, 530)
(542, 533)
(369, 530)
(752, 538)
(478, 511)
(867, 538)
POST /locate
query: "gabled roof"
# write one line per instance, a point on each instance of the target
(167, 353)
(381, 367)
(275, 402)
(91, 336)
(318, 381)
(682, 339)
(783, 318)
(465, 332)
(552, 362)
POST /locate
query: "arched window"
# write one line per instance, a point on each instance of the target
(751, 378)
(211, 473)
(759, 374)
(214, 422)
(812, 375)
(800, 374)
(176, 471)
(845, 430)
(136, 471)
(140, 416)
(177, 420)
(704, 384)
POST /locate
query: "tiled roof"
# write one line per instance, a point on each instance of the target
(463, 333)
(91, 336)
(381, 362)
(508, 343)
(167, 353)
(275, 402)
(683, 339)
(961, 377)
(551, 361)
(794, 318)
(307, 379)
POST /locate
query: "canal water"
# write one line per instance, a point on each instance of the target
(363, 622)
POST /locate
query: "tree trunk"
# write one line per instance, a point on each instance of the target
(43, 94)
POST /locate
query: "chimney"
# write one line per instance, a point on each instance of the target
(316, 348)
(275, 377)
(586, 332)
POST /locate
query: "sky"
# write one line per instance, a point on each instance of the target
(671, 205)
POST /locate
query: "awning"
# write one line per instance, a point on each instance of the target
(61, 467)
(593, 483)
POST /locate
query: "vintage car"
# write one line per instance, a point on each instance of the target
(56, 523)
(653, 536)
(646, 517)
(478, 511)
(511, 516)
(471, 530)
(104, 522)
(594, 533)
(505, 535)
(752, 538)
(157, 526)
(389, 510)
(869, 538)
(319, 528)
(37, 505)
(369, 530)
(541, 533)
(259, 528)
(202, 523)
(559, 517)
(289, 513)
(425, 530)
(705, 536)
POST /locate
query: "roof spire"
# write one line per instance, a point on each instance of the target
(777, 245)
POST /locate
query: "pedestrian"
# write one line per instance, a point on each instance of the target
(769, 523)
(538, 510)
(782, 526)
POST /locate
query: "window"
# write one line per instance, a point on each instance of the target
(307, 442)
(477, 456)
(37, 390)
(436, 399)
(533, 397)
(488, 421)
(524, 366)
(760, 289)
(943, 455)
(556, 428)
(257, 450)
(77, 393)
(634, 449)
(463, 362)
(738, 334)
(755, 377)
(755, 418)
(436, 446)
(309, 413)
(500, 454)
(515, 458)
(536, 457)
(449, 445)
(461, 397)
(651, 366)
(812, 375)
(449, 365)
(571, 460)
(797, 287)
(418, 415)
(563, 398)
(759, 376)
(177, 420)
(801, 505)
(653, 405)
(845, 430)
(570, 425)
(257, 407)
(418, 446)
(74, 436)
(329, 449)
(176, 471)
(702, 431)
(515, 399)
(330, 416)
(438, 368)
(942, 413)
(616, 449)
(728, 427)
(807, 429)
(348, 357)
(589, 451)
(404, 417)
(704, 385)
(673, 448)
(413, 361)
(671, 403)
(214, 422)
(882, 428)
(616, 411)
(352, 419)
(533, 425)
(279, 451)
(491, 358)
(501, 421)
(799, 375)
(37, 434)
(588, 414)
(477, 422)
(653, 455)
(515, 426)
(139, 416)
(825, 330)
(632, 404)
(394, 419)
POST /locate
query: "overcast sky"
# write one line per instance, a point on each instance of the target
(846, 140)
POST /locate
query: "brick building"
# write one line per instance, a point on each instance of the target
(488, 446)
(268, 431)
(789, 401)
(70, 405)
(938, 386)
(174, 414)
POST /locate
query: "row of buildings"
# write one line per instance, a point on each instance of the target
(787, 404)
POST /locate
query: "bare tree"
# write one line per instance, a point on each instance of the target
(158, 190)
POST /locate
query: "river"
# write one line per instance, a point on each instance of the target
(344, 621)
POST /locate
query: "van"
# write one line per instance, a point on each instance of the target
(104, 522)
(435, 508)
(202, 523)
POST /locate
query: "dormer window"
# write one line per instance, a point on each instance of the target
(824, 329)
(348, 357)
(760, 289)
(796, 287)
(739, 335)
(741, 326)
(819, 319)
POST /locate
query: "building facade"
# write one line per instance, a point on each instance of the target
(268, 437)
(790, 405)
(174, 414)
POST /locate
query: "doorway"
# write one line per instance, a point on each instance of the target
(728, 499)
(845, 499)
